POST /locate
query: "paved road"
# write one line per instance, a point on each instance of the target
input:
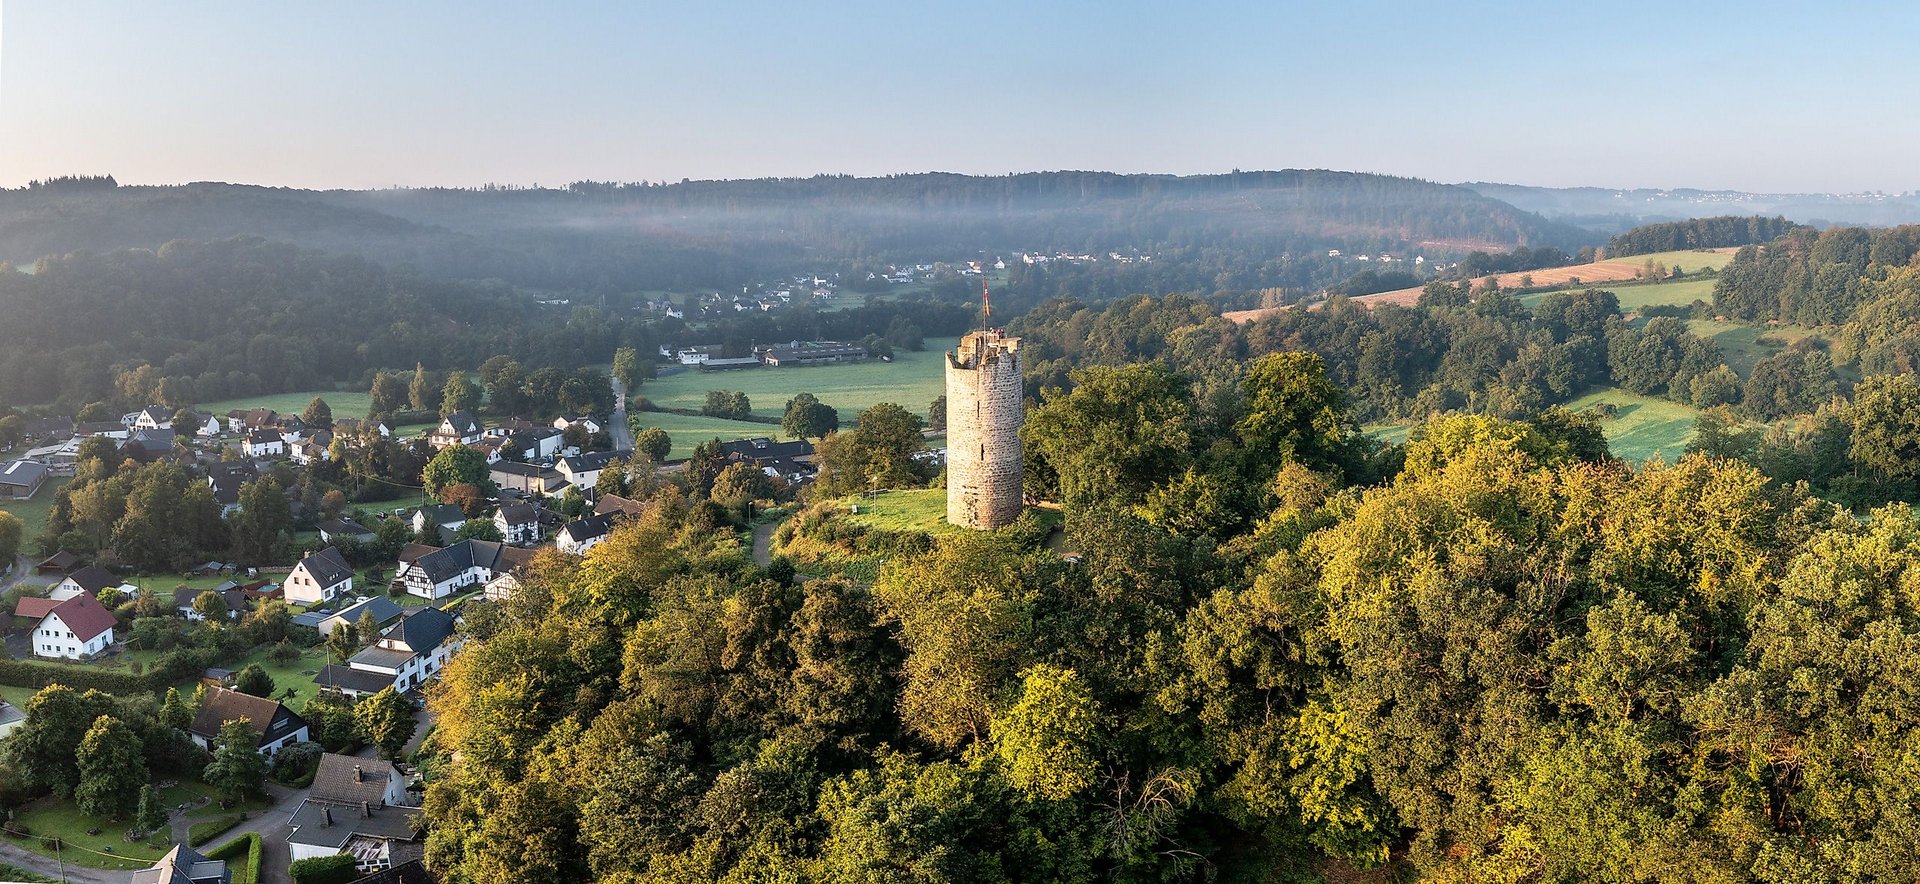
(272, 825)
(21, 857)
(763, 543)
(621, 432)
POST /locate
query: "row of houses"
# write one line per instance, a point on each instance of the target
(793, 353)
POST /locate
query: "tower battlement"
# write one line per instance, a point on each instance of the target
(985, 408)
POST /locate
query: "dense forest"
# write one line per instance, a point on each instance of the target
(1698, 233)
(624, 237)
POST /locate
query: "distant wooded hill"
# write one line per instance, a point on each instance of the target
(714, 233)
(1609, 210)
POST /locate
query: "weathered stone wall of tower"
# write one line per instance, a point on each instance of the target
(985, 407)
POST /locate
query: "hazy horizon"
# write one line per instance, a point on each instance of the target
(360, 96)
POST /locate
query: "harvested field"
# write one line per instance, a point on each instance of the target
(1597, 272)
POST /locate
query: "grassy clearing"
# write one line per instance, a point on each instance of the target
(920, 509)
(1641, 427)
(1743, 345)
(1689, 261)
(33, 513)
(911, 380)
(52, 817)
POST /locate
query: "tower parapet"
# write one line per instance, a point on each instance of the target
(985, 408)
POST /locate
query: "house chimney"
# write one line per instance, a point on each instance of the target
(326, 816)
(365, 810)
(358, 775)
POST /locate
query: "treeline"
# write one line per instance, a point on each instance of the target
(1822, 278)
(1494, 653)
(1724, 231)
(1456, 350)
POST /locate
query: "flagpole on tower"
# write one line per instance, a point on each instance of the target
(986, 300)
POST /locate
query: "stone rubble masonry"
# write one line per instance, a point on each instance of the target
(985, 407)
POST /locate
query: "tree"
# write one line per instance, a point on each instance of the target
(456, 464)
(937, 414)
(368, 627)
(388, 395)
(740, 484)
(11, 531)
(1294, 412)
(654, 443)
(387, 719)
(213, 609)
(263, 523)
(1046, 741)
(878, 453)
(343, 641)
(459, 394)
(480, 529)
(421, 392)
(318, 414)
(175, 710)
(808, 418)
(253, 679)
(111, 768)
(626, 369)
(150, 815)
(1886, 425)
(41, 749)
(12, 430)
(1118, 433)
(238, 770)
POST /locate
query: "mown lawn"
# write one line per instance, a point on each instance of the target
(687, 431)
(911, 380)
(1689, 261)
(292, 681)
(1743, 345)
(107, 850)
(343, 403)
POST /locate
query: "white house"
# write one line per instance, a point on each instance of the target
(519, 523)
(209, 426)
(359, 807)
(575, 538)
(153, 417)
(318, 577)
(447, 571)
(458, 427)
(446, 515)
(73, 629)
(89, 581)
(583, 470)
(265, 442)
(585, 422)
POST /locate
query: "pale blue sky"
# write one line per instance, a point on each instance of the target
(360, 94)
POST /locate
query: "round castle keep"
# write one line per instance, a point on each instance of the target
(985, 407)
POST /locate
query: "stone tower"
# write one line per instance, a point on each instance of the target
(985, 407)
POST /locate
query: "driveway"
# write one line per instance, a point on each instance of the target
(272, 826)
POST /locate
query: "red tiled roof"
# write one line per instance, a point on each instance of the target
(85, 616)
(35, 608)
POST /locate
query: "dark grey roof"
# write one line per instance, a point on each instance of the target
(512, 468)
(442, 564)
(183, 865)
(236, 600)
(383, 608)
(463, 423)
(328, 566)
(519, 513)
(588, 528)
(327, 824)
(349, 779)
(24, 473)
(311, 619)
(422, 630)
(348, 678)
(263, 435)
(379, 656)
(765, 449)
(151, 440)
(443, 513)
(593, 460)
(93, 578)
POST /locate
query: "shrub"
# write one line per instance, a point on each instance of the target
(248, 872)
(202, 832)
(337, 869)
